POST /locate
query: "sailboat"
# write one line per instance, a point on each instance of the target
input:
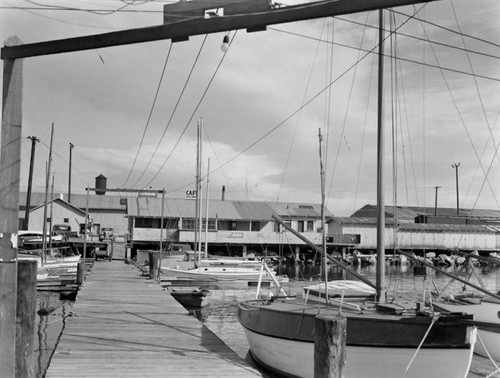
(481, 303)
(382, 340)
(223, 269)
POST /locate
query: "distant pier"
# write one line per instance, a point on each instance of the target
(125, 326)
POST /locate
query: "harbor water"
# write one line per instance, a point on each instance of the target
(220, 315)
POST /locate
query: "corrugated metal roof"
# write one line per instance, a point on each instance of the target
(360, 220)
(253, 210)
(106, 202)
(444, 227)
(410, 212)
(403, 226)
(62, 203)
(243, 210)
(299, 210)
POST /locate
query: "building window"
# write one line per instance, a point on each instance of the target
(255, 226)
(310, 225)
(66, 220)
(211, 224)
(149, 223)
(188, 223)
(300, 226)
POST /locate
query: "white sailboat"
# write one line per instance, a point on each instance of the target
(481, 303)
(383, 339)
(209, 269)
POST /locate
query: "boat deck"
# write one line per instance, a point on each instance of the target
(125, 326)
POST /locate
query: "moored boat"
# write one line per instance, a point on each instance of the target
(191, 297)
(280, 334)
(486, 312)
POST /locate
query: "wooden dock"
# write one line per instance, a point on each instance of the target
(125, 326)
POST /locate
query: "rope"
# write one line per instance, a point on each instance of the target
(497, 369)
(434, 318)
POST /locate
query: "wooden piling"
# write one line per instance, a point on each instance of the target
(329, 346)
(25, 318)
(10, 162)
(80, 272)
(154, 264)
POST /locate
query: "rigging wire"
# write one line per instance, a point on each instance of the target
(344, 123)
(97, 12)
(478, 165)
(424, 114)
(313, 98)
(445, 28)
(464, 125)
(173, 111)
(430, 40)
(229, 185)
(328, 107)
(365, 123)
(192, 115)
(399, 58)
(150, 114)
(479, 97)
(299, 116)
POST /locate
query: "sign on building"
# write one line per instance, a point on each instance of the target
(190, 193)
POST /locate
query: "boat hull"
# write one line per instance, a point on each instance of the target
(296, 359)
(218, 273)
(281, 337)
(487, 319)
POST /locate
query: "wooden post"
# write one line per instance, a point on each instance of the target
(10, 160)
(25, 318)
(154, 264)
(80, 272)
(329, 346)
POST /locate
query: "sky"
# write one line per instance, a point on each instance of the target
(132, 111)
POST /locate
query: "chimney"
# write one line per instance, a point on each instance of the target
(223, 192)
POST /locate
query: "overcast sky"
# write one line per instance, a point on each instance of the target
(262, 142)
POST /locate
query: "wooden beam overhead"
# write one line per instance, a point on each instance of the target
(182, 30)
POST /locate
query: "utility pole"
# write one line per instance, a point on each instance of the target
(436, 200)
(456, 170)
(30, 182)
(71, 146)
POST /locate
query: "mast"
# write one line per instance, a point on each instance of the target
(199, 190)
(323, 232)
(380, 278)
(30, 182)
(161, 220)
(51, 210)
(206, 212)
(197, 223)
(44, 230)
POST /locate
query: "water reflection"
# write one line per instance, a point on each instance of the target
(50, 322)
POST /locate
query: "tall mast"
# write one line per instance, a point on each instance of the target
(197, 179)
(199, 191)
(30, 182)
(380, 279)
(323, 223)
(44, 230)
(206, 212)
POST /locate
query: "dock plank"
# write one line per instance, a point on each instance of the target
(125, 326)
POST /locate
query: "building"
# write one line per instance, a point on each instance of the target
(232, 228)
(424, 229)
(105, 211)
(237, 228)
